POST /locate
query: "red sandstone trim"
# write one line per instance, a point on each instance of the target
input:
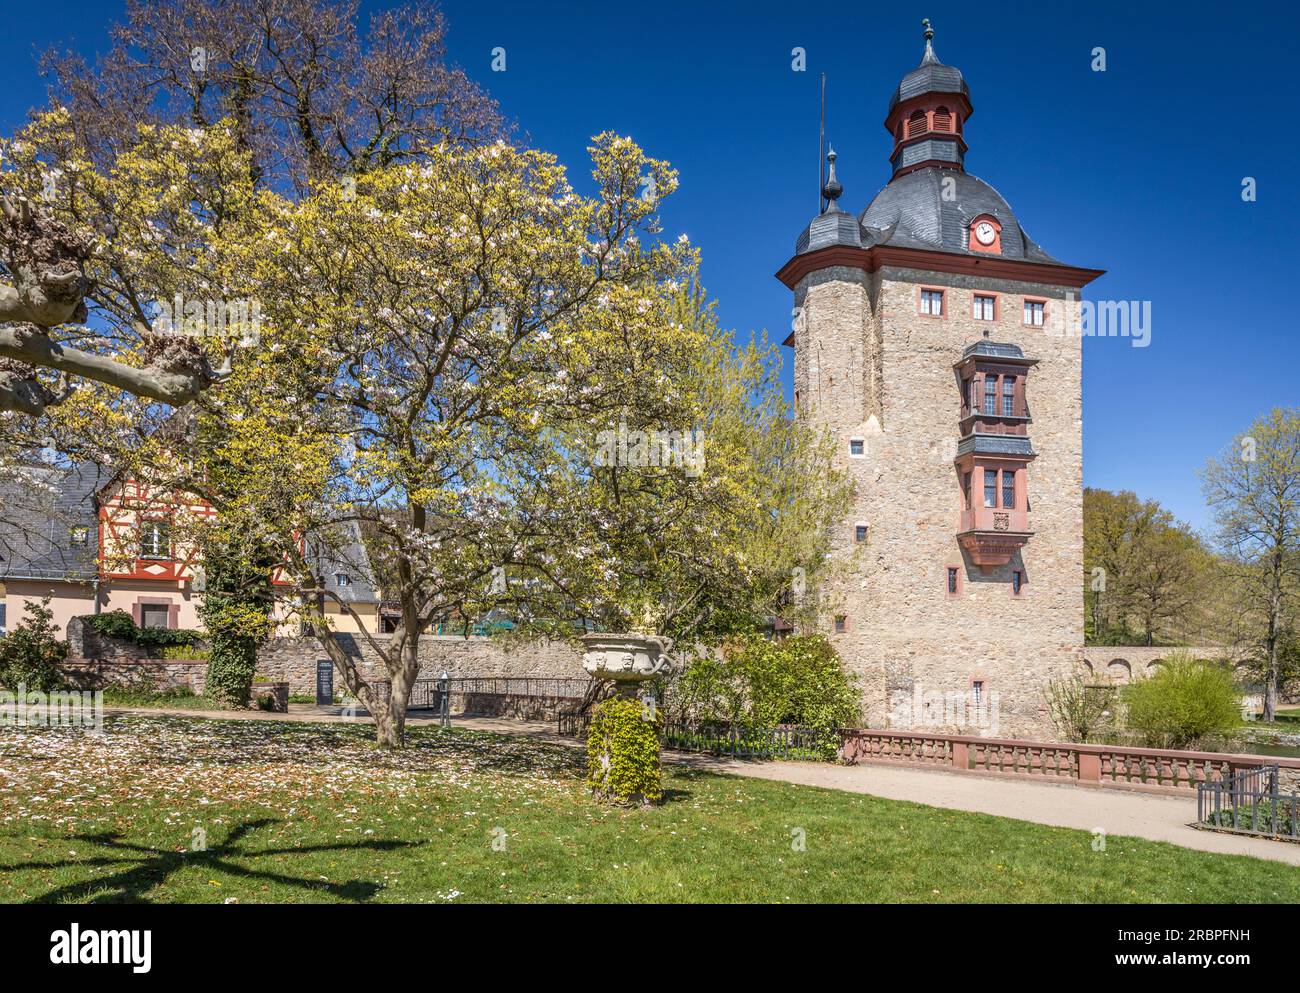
(1168, 771)
(992, 267)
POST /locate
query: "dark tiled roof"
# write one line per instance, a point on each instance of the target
(992, 350)
(343, 553)
(913, 212)
(834, 227)
(995, 444)
(40, 508)
(931, 76)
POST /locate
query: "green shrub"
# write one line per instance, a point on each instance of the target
(760, 683)
(118, 624)
(1080, 711)
(183, 653)
(623, 752)
(1186, 701)
(30, 654)
(113, 624)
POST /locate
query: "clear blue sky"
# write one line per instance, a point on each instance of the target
(1136, 170)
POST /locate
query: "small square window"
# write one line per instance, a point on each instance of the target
(932, 302)
(857, 446)
(155, 539)
(342, 579)
(841, 623)
(79, 536)
(860, 533)
(1034, 313)
(983, 308)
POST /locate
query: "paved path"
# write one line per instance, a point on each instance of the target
(1117, 812)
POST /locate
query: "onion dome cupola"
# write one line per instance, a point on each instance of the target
(833, 226)
(928, 113)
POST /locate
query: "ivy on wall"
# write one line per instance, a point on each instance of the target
(623, 743)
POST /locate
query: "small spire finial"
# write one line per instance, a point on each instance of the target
(928, 34)
(832, 190)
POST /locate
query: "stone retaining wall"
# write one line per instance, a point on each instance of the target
(293, 660)
(161, 674)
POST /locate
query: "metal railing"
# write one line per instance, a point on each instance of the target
(1249, 802)
(784, 742)
(426, 695)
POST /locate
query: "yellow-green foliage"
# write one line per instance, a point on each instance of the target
(1187, 699)
(623, 752)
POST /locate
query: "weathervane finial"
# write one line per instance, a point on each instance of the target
(832, 190)
(928, 34)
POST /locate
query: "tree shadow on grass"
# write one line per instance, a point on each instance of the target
(143, 868)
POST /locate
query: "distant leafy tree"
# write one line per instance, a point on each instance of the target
(1254, 489)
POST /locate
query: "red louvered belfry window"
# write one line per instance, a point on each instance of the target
(916, 124)
(943, 119)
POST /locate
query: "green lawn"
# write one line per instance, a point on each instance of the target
(312, 812)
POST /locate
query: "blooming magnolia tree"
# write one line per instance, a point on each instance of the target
(444, 346)
(115, 199)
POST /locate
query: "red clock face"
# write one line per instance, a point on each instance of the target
(984, 235)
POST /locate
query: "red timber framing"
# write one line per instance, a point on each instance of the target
(124, 509)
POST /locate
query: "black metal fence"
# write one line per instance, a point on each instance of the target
(1249, 802)
(783, 742)
(425, 694)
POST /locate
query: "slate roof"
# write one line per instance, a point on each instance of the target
(986, 349)
(912, 212)
(931, 76)
(40, 508)
(344, 554)
(995, 444)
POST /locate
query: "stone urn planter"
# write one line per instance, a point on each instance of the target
(623, 739)
(627, 659)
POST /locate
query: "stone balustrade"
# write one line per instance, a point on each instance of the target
(1150, 770)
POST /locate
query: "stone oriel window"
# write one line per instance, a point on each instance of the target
(1008, 489)
(990, 487)
(1008, 396)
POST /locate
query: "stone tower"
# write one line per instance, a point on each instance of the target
(933, 340)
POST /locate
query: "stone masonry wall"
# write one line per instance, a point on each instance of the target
(868, 365)
(293, 660)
